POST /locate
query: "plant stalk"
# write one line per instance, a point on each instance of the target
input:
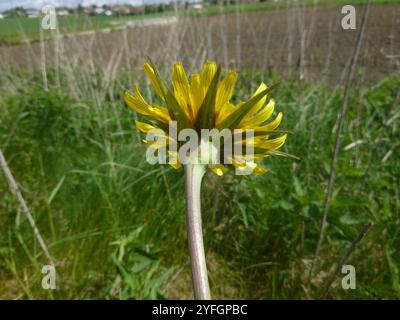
(193, 176)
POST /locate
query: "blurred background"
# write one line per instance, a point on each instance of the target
(115, 225)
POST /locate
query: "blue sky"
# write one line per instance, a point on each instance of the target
(8, 4)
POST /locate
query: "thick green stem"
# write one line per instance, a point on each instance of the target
(193, 175)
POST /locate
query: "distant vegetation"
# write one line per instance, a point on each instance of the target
(19, 28)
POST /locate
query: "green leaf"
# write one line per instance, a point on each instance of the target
(285, 205)
(349, 219)
(206, 115)
(234, 119)
(354, 172)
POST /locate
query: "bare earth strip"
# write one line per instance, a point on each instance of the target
(308, 43)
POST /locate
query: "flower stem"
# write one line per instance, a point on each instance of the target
(193, 176)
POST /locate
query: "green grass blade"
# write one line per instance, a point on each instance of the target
(274, 153)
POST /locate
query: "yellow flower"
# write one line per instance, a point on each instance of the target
(204, 103)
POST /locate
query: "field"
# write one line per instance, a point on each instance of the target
(23, 29)
(115, 224)
(263, 41)
(16, 30)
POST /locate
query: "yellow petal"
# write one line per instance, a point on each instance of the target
(153, 79)
(272, 144)
(196, 92)
(144, 127)
(272, 125)
(218, 169)
(207, 74)
(260, 103)
(225, 90)
(174, 160)
(156, 111)
(137, 103)
(181, 86)
(246, 167)
(225, 111)
(160, 113)
(259, 170)
(263, 115)
(256, 107)
(138, 95)
(180, 81)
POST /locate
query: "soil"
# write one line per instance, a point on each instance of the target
(306, 43)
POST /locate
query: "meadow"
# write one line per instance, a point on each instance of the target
(115, 225)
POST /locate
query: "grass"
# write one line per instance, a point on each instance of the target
(15, 30)
(116, 226)
(23, 29)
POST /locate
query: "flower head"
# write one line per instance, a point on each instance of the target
(204, 103)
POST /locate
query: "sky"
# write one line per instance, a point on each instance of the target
(37, 4)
